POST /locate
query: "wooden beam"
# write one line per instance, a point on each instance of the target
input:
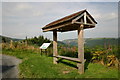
(90, 19)
(69, 58)
(78, 22)
(74, 20)
(84, 24)
(55, 46)
(85, 21)
(57, 27)
(89, 24)
(80, 49)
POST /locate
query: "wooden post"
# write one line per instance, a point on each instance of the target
(41, 51)
(55, 46)
(80, 49)
(26, 43)
(11, 44)
(46, 52)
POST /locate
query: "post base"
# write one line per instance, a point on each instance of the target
(55, 60)
(80, 68)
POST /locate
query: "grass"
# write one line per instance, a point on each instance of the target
(36, 66)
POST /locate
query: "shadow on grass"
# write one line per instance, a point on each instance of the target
(88, 58)
(73, 65)
(87, 55)
(67, 63)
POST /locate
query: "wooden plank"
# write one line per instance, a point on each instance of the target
(80, 49)
(74, 20)
(55, 46)
(67, 24)
(85, 21)
(84, 24)
(78, 22)
(69, 58)
(89, 24)
(57, 27)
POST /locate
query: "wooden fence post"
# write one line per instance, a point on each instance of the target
(55, 47)
(11, 44)
(80, 49)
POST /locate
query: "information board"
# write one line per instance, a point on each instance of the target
(45, 45)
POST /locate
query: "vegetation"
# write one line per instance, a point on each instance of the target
(102, 62)
(108, 57)
(37, 40)
(36, 66)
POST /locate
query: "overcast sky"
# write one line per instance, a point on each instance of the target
(21, 19)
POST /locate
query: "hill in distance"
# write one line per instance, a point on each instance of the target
(89, 42)
(92, 42)
(8, 39)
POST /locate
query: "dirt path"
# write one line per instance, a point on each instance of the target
(9, 65)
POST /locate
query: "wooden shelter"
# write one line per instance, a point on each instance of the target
(77, 21)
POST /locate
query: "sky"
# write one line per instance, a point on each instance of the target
(21, 19)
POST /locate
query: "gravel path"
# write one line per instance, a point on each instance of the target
(9, 66)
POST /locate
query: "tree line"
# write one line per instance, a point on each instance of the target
(30, 41)
(37, 40)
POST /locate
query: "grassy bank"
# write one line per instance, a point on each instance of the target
(36, 66)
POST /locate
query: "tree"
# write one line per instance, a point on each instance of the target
(4, 40)
(38, 40)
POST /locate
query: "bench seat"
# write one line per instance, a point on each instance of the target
(69, 58)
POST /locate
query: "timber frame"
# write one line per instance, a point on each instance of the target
(77, 21)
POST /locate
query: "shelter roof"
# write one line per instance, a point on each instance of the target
(67, 21)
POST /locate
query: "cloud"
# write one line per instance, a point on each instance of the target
(21, 19)
(106, 16)
(23, 6)
(20, 10)
(60, 1)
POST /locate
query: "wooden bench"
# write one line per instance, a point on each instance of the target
(71, 59)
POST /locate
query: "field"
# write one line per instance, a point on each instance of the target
(36, 66)
(101, 62)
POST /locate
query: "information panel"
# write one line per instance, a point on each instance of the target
(45, 45)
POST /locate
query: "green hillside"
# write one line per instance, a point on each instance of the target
(7, 39)
(92, 42)
(32, 41)
(89, 42)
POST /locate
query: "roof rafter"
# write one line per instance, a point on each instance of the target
(68, 23)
